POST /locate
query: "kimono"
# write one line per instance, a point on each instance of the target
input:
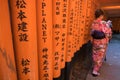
(100, 45)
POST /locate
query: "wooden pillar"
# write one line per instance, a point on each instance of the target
(7, 61)
(74, 28)
(65, 4)
(23, 16)
(57, 37)
(70, 32)
(44, 28)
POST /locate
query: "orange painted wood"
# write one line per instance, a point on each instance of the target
(7, 60)
(73, 5)
(78, 25)
(79, 14)
(44, 28)
(70, 32)
(65, 4)
(23, 16)
(82, 21)
(75, 25)
(57, 37)
(78, 29)
(87, 21)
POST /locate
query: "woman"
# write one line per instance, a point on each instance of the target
(99, 44)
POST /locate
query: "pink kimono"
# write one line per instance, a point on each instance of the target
(100, 45)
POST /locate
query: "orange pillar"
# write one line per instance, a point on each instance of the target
(87, 21)
(44, 28)
(91, 14)
(83, 21)
(57, 36)
(75, 25)
(23, 18)
(7, 62)
(70, 32)
(80, 22)
(74, 29)
(64, 31)
(79, 18)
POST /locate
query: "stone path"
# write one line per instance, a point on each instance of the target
(111, 68)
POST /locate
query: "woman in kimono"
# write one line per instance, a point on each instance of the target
(99, 45)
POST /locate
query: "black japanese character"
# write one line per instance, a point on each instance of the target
(21, 15)
(57, 38)
(62, 60)
(56, 53)
(22, 26)
(62, 49)
(69, 50)
(70, 29)
(57, 3)
(56, 64)
(46, 75)
(63, 44)
(56, 26)
(45, 56)
(63, 34)
(25, 70)
(57, 44)
(65, 0)
(45, 68)
(64, 15)
(46, 78)
(25, 62)
(57, 12)
(64, 20)
(45, 62)
(57, 32)
(62, 55)
(20, 4)
(69, 46)
(56, 68)
(23, 37)
(63, 39)
(63, 26)
(57, 58)
(45, 50)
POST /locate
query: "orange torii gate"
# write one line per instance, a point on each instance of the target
(23, 18)
(44, 28)
(57, 37)
(46, 34)
(7, 61)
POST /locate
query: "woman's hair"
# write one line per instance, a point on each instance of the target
(98, 13)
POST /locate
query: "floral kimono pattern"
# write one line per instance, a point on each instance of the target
(99, 45)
